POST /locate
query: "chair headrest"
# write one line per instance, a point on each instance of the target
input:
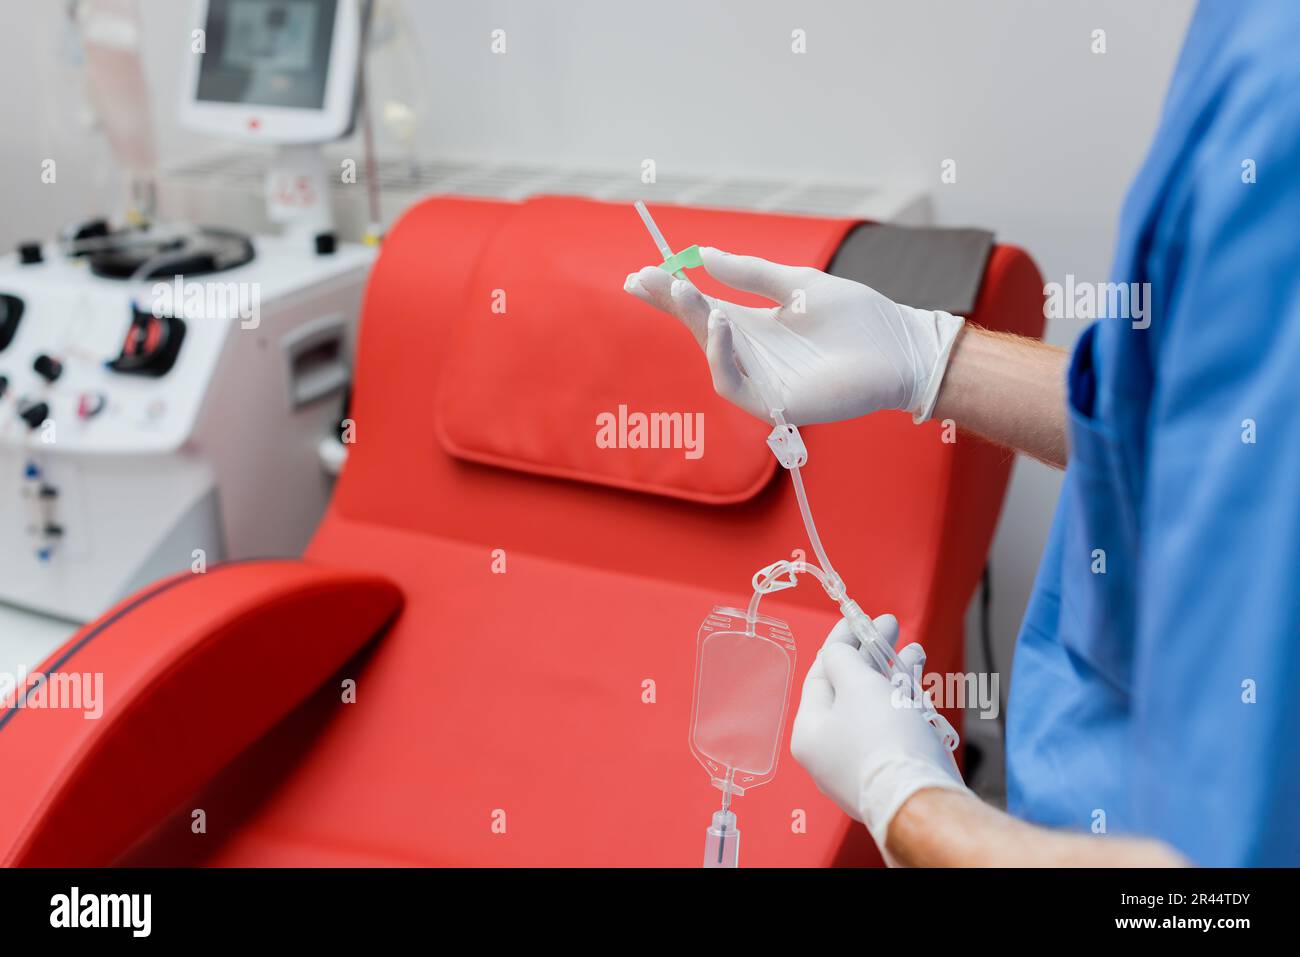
(553, 369)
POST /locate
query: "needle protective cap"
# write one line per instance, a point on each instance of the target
(688, 258)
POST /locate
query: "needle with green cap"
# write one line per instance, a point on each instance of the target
(688, 258)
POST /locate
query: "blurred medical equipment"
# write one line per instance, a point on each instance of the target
(165, 388)
(118, 93)
(227, 188)
(286, 74)
(739, 692)
(395, 84)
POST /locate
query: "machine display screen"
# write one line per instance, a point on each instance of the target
(267, 52)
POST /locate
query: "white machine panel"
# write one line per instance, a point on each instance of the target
(113, 478)
(82, 320)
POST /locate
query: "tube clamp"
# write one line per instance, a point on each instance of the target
(787, 445)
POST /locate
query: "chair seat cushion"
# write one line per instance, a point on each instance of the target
(515, 699)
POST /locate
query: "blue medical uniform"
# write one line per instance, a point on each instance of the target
(1156, 687)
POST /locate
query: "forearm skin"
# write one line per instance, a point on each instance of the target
(940, 828)
(1009, 390)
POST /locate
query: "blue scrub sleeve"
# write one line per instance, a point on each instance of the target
(1217, 667)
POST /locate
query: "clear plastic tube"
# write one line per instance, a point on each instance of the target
(831, 582)
(652, 227)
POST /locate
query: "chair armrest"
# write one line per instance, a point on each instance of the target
(194, 669)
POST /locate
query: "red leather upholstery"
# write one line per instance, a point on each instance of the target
(195, 668)
(504, 718)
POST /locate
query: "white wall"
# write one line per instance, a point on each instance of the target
(1045, 133)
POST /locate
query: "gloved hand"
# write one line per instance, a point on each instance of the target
(832, 349)
(855, 733)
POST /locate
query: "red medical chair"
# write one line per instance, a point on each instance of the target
(486, 655)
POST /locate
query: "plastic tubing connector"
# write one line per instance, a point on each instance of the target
(722, 841)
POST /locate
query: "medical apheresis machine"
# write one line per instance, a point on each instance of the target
(165, 388)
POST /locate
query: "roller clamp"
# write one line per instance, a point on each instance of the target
(787, 445)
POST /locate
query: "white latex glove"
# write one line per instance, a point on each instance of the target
(855, 733)
(832, 349)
